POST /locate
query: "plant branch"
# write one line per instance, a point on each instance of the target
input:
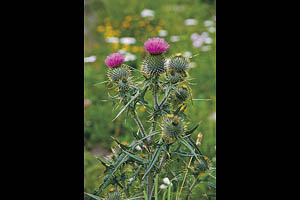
(139, 123)
(165, 98)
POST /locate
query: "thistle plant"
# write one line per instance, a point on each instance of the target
(163, 161)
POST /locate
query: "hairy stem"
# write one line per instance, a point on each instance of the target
(156, 107)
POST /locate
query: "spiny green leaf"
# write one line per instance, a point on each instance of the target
(133, 98)
(94, 196)
(137, 158)
(153, 161)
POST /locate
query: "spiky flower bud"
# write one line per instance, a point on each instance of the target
(116, 74)
(173, 126)
(114, 196)
(124, 83)
(182, 93)
(200, 165)
(178, 63)
(174, 77)
(154, 65)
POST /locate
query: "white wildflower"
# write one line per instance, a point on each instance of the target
(163, 186)
(190, 22)
(138, 148)
(212, 29)
(208, 40)
(187, 54)
(198, 43)
(204, 35)
(127, 40)
(112, 40)
(208, 23)
(195, 36)
(205, 48)
(147, 13)
(90, 59)
(166, 181)
(129, 57)
(174, 38)
(163, 33)
(122, 51)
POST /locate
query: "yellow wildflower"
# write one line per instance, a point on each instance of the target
(149, 28)
(106, 20)
(100, 29)
(126, 47)
(158, 28)
(128, 18)
(135, 49)
(115, 46)
(141, 23)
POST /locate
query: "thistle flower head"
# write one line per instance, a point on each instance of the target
(154, 65)
(114, 60)
(116, 74)
(156, 45)
(178, 63)
(173, 126)
(182, 93)
(124, 84)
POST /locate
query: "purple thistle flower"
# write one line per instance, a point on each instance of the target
(156, 45)
(114, 60)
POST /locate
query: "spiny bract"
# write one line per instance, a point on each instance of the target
(115, 74)
(178, 63)
(154, 65)
(114, 196)
(173, 126)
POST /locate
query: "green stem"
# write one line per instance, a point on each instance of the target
(164, 197)
(139, 123)
(169, 192)
(156, 187)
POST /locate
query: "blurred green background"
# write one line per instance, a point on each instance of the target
(189, 26)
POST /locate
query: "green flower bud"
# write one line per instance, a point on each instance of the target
(124, 83)
(115, 74)
(178, 63)
(154, 65)
(182, 93)
(173, 126)
(174, 76)
(200, 165)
